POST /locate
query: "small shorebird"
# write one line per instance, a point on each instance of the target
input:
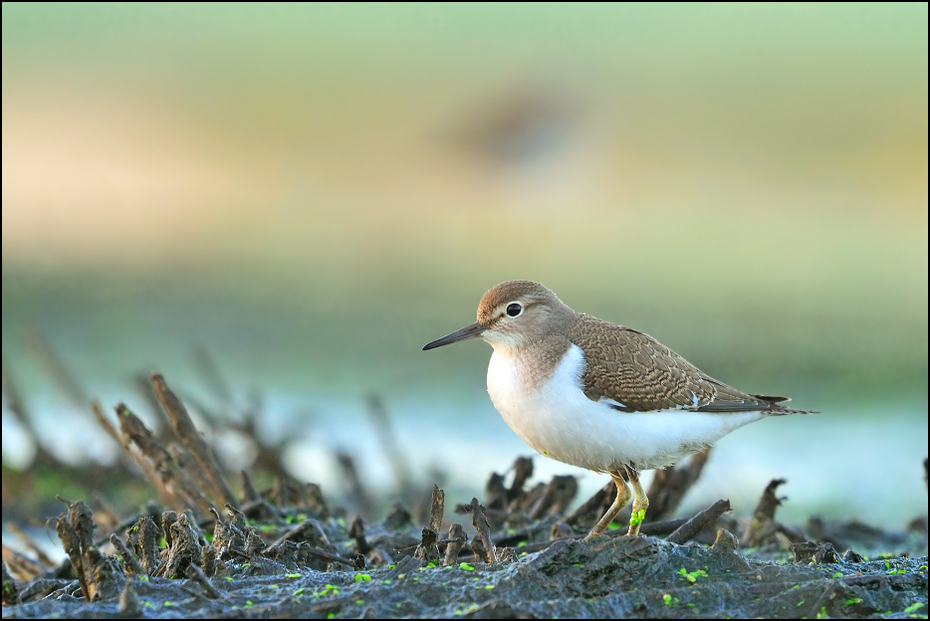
(598, 395)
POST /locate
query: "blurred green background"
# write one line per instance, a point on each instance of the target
(312, 192)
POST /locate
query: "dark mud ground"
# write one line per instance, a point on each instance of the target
(612, 576)
(285, 553)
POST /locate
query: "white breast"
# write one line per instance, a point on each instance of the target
(559, 421)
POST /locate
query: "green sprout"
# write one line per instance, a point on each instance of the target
(636, 518)
(329, 590)
(692, 576)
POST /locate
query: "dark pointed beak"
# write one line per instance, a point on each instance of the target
(468, 332)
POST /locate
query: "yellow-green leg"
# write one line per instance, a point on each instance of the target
(623, 497)
(640, 501)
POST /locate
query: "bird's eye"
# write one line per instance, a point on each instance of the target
(514, 309)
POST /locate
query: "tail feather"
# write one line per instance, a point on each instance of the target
(780, 410)
(772, 399)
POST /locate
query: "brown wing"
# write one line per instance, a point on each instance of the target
(636, 373)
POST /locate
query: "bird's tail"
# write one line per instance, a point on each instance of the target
(779, 410)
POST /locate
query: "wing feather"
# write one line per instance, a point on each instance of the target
(633, 372)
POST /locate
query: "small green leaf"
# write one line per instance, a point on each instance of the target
(913, 608)
(852, 601)
(466, 567)
(295, 575)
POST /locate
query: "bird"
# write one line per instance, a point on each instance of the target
(598, 395)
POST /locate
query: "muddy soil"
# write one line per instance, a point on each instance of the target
(610, 577)
(319, 568)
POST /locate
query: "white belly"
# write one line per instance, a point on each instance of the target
(559, 421)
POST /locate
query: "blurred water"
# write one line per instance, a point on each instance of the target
(830, 469)
(862, 462)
